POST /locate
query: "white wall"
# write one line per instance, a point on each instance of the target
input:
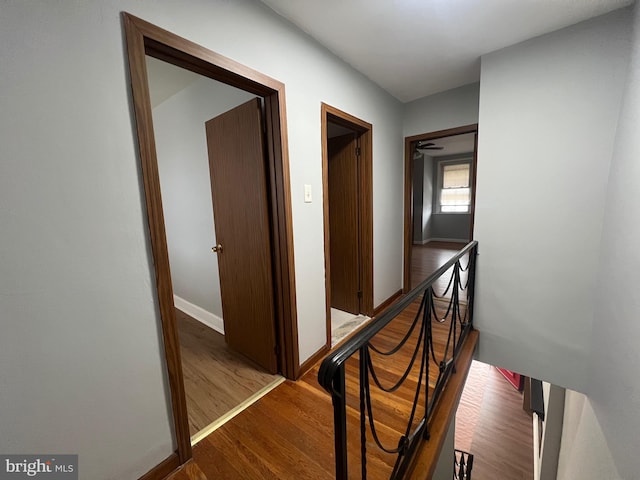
(546, 465)
(449, 109)
(444, 468)
(450, 226)
(613, 389)
(80, 349)
(548, 115)
(422, 194)
(427, 197)
(417, 194)
(584, 452)
(80, 352)
(183, 163)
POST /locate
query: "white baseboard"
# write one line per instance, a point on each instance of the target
(200, 314)
(421, 242)
(454, 240)
(536, 447)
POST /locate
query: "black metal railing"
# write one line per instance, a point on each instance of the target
(462, 465)
(448, 310)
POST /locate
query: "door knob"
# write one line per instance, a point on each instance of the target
(217, 249)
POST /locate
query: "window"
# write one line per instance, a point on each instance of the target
(455, 187)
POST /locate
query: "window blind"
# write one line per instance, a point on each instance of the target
(455, 195)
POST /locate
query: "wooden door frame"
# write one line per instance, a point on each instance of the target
(365, 129)
(408, 188)
(142, 39)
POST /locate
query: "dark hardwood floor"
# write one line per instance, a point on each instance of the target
(288, 434)
(426, 259)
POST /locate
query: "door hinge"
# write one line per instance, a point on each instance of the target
(359, 293)
(358, 151)
(276, 349)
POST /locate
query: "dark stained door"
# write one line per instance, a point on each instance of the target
(344, 248)
(240, 208)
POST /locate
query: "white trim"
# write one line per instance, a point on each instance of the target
(468, 212)
(200, 314)
(455, 240)
(421, 242)
(536, 447)
(206, 431)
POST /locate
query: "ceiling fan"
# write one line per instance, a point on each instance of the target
(428, 146)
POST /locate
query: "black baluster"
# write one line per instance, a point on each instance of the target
(338, 399)
(364, 378)
(426, 318)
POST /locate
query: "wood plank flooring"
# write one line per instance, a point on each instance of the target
(426, 259)
(216, 379)
(492, 425)
(288, 434)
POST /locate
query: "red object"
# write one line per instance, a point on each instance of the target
(513, 378)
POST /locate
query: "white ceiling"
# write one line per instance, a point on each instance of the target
(414, 48)
(453, 145)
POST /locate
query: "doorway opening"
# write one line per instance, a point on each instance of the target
(226, 362)
(440, 173)
(272, 202)
(348, 221)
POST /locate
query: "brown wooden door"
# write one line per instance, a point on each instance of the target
(239, 192)
(344, 248)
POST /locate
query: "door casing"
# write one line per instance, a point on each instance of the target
(408, 188)
(365, 132)
(144, 38)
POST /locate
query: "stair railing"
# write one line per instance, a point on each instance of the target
(462, 465)
(457, 303)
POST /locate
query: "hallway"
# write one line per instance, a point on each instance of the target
(289, 432)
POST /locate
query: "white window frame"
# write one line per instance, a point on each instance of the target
(440, 173)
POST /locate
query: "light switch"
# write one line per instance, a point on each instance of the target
(308, 198)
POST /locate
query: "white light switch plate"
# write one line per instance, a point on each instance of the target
(308, 197)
